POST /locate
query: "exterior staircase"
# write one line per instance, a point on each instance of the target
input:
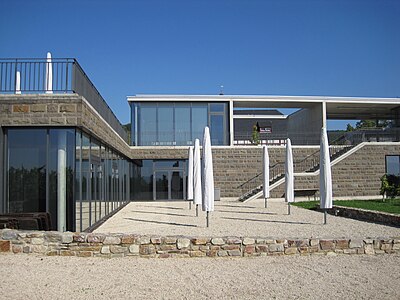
(252, 188)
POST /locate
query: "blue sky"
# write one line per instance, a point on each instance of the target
(332, 48)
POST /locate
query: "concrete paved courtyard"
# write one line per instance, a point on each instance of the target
(233, 218)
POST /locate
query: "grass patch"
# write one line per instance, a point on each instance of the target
(389, 205)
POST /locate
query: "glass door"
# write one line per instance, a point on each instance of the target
(161, 185)
(176, 187)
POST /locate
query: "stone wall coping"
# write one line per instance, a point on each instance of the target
(367, 210)
(83, 244)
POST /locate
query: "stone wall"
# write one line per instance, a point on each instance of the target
(232, 165)
(120, 245)
(58, 110)
(366, 215)
(359, 174)
(356, 175)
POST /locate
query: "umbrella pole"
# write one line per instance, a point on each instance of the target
(197, 210)
(190, 204)
(325, 216)
(265, 202)
(207, 218)
(288, 208)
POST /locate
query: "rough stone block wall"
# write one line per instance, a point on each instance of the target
(356, 175)
(359, 174)
(58, 110)
(232, 165)
(119, 245)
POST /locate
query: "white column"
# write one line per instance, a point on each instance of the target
(61, 181)
(18, 83)
(231, 129)
(324, 114)
(49, 75)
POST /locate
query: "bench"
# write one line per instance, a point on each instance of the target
(306, 193)
(26, 221)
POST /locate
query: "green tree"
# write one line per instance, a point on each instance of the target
(365, 124)
(349, 128)
(255, 136)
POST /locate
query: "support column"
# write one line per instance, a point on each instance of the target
(324, 114)
(231, 129)
(3, 173)
(61, 181)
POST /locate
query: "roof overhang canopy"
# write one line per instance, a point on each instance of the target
(336, 107)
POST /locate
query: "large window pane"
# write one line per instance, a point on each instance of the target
(165, 124)
(148, 124)
(393, 165)
(78, 185)
(199, 120)
(146, 181)
(183, 130)
(217, 107)
(95, 180)
(217, 129)
(27, 170)
(61, 169)
(85, 182)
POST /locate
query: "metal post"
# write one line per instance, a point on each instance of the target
(208, 218)
(325, 213)
(190, 204)
(265, 202)
(288, 208)
(197, 210)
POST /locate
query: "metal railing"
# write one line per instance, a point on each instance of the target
(68, 77)
(310, 163)
(177, 138)
(245, 139)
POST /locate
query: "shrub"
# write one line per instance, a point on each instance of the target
(390, 186)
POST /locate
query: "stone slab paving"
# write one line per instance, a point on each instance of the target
(233, 218)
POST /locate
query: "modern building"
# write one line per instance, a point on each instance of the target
(64, 152)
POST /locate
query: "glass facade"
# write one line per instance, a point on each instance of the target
(160, 180)
(71, 175)
(39, 178)
(79, 180)
(178, 123)
(102, 183)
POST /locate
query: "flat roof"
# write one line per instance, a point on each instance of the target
(260, 98)
(336, 107)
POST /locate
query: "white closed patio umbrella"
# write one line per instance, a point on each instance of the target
(18, 83)
(190, 177)
(265, 175)
(197, 196)
(289, 175)
(208, 175)
(325, 174)
(49, 75)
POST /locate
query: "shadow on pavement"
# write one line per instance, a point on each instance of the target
(159, 222)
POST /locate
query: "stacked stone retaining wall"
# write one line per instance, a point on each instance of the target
(120, 245)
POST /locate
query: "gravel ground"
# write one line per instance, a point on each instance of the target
(233, 218)
(296, 277)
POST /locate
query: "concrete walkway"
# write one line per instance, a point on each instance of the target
(233, 218)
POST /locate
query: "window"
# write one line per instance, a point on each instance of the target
(178, 123)
(393, 165)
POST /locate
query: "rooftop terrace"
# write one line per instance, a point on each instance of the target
(67, 77)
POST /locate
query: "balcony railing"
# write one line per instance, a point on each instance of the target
(67, 78)
(177, 138)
